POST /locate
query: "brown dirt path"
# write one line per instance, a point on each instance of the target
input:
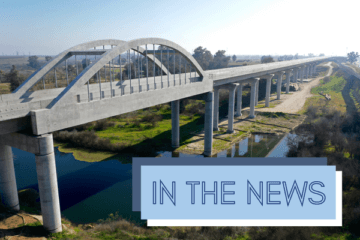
(12, 227)
(294, 102)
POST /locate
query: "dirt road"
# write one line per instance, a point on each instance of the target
(294, 102)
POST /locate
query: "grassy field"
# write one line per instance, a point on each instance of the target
(334, 88)
(136, 133)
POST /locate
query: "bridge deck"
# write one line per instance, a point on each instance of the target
(13, 107)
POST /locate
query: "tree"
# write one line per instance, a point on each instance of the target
(33, 62)
(321, 55)
(48, 58)
(267, 59)
(296, 56)
(203, 57)
(2, 76)
(352, 56)
(234, 58)
(311, 55)
(219, 60)
(14, 78)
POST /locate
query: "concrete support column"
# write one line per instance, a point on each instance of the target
(307, 72)
(48, 186)
(257, 93)
(8, 188)
(315, 69)
(278, 84)
(310, 70)
(216, 109)
(239, 100)
(288, 72)
(232, 89)
(175, 123)
(209, 113)
(295, 71)
(253, 97)
(302, 74)
(268, 89)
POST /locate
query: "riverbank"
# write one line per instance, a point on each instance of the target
(265, 123)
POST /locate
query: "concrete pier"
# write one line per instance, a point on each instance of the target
(268, 88)
(257, 93)
(175, 124)
(302, 74)
(252, 97)
(239, 100)
(209, 113)
(288, 73)
(216, 109)
(232, 89)
(294, 75)
(279, 83)
(8, 188)
(48, 186)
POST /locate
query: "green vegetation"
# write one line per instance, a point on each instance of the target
(334, 87)
(271, 105)
(142, 132)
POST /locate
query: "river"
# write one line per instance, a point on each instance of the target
(91, 191)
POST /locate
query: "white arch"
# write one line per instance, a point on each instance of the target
(68, 93)
(37, 75)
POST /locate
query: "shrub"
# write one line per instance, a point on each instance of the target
(151, 118)
(87, 139)
(103, 125)
(326, 79)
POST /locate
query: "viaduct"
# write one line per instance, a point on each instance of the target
(42, 112)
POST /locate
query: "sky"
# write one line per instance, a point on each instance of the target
(241, 27)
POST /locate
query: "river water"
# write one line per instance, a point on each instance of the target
(91, 191)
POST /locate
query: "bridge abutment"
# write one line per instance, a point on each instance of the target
(175, 124)
(209, 113)
(48, 185)
(8, 188)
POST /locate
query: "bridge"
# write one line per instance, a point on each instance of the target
(29, 115)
